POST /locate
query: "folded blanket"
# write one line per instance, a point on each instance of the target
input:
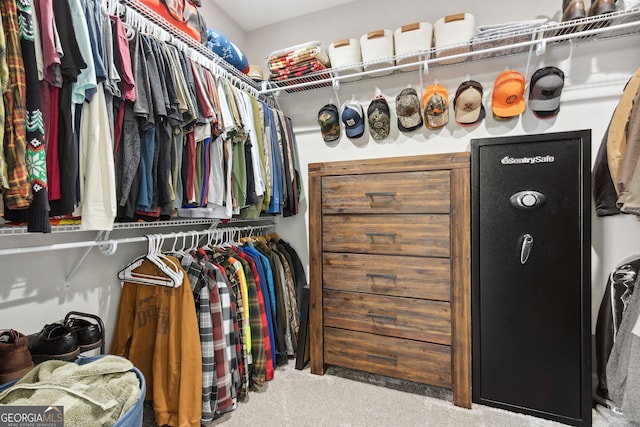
(98, 393)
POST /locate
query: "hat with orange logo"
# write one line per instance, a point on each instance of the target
(508, 95)
(435, 102)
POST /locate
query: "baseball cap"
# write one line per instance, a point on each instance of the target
(508, 94)
(544, 91)
(255, 73)
(329, 122)
(353, 119)
(435, 101)
(379, 118)
(467, 104)
(408, 110)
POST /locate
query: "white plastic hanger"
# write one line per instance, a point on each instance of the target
(170, 277)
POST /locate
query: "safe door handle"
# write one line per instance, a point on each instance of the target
(527, 246)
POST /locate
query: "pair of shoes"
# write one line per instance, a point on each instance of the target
(89, 334)
(15, 358)
(54, 342)
(576, 9)
(64, 341)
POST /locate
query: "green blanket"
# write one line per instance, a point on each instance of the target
(97, 393)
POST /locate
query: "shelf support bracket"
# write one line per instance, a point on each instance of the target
(105, 249)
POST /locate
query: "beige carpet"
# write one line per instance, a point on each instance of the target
(345, 398)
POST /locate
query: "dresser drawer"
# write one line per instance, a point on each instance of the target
(395, 357)
(397, 193)
(417, 235)
(402, 276)
(393, 316)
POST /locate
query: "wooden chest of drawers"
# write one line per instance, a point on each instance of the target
(390, 269)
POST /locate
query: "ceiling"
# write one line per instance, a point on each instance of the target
(253, 14)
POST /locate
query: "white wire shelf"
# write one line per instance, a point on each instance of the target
(10, 230)
(550, 34)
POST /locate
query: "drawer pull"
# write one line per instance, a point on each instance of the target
(374, 234)
(382, 276)
(382, 317)
(378, 356)
(380, 194)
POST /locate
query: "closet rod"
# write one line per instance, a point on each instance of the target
(280, 86)
(92, 243)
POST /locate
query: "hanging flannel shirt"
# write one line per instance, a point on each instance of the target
(243, 364)
(18, 194)
(200, 287)
(280, 319)
(219, 299)
(258, 350)
(265, 315)
(260, 260)
(4, 83)
(233, 348)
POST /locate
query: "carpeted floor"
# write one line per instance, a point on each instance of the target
(345, 398)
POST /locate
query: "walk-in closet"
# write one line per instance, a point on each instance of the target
(355, 213)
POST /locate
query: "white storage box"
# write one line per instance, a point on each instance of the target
(346, 58)
(410, 39)
(378, 46)
(455, 31)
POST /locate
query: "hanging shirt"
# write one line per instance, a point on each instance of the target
(18, 193)
(97, 174)
(85, 85)
(4, 83)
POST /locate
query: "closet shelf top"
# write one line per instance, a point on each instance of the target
(20, 230)
(549, 34)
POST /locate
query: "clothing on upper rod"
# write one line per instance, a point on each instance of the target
(135, 128)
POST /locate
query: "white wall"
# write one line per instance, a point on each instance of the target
(218, 19)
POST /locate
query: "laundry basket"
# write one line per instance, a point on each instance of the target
(131, 418)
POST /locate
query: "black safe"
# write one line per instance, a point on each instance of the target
(531, 274)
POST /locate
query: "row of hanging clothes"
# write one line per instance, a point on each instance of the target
(617, 343)
(209, 321)
(111, 118)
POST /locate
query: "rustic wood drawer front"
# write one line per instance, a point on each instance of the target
(395, 193)
(418, 235)
(402, 276)
(394, 316)
(413, 360)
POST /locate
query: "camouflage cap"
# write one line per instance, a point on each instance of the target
(379, 118)
(437, 113)
(329, 122)
(436, 106)
(408, 110)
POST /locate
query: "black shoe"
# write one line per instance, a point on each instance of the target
(55, 341)
(89, 334)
